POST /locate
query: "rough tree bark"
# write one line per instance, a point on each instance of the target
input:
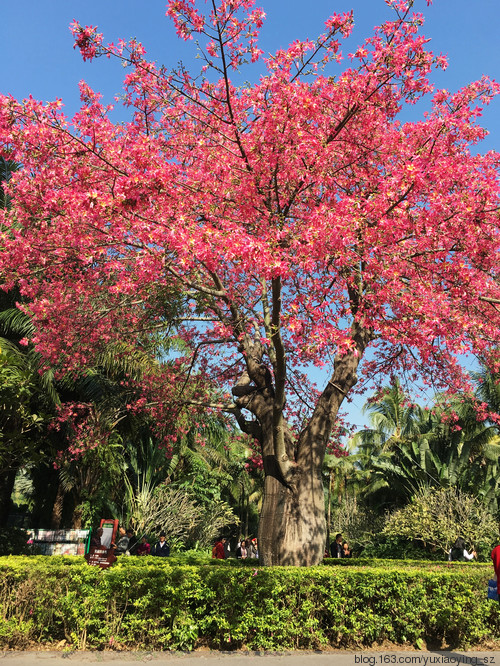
(57, 509)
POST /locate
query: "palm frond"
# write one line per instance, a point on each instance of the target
(14, 323)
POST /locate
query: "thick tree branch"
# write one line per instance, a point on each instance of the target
(279, 381)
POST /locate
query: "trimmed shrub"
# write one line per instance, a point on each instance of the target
(143, 603)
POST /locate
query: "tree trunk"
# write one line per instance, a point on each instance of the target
(247, 516)
(7, 480)
(76, 519)
(292, 524)
(57, 509)
(329, 511)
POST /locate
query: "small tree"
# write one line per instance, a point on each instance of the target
(437, 517)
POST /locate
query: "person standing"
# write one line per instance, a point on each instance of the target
(143, 548)
(458, 552)
(242, 551)
(218, 552)
(161, 548)
(121, 547)
(132, 542)
(336, 549)
(253, 548)
(495, 556)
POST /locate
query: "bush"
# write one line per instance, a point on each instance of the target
(14, 541)
(143, 603)
(397, 547)
(436, 517)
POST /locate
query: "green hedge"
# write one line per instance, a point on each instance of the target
(434, 565)
(143, 603)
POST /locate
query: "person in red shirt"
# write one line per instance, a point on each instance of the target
(495, 556)
(143, 548)
(218, 550)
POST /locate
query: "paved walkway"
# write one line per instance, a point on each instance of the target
(207, 658)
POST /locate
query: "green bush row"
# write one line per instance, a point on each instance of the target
(142, 603)
(436, 565)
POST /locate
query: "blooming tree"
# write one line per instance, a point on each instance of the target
(301, 221)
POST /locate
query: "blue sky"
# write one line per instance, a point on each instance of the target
(38, 56)
(39, 59)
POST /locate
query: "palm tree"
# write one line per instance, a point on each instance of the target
(488, 390)
(391, 455)
(100, 387)
(392, 417)
(464, 450)
(341, 478)
(212, 459)
(27, 400)
(409, 448)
